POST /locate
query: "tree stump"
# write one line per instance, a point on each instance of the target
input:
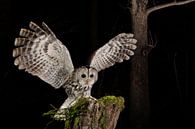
(92, 114)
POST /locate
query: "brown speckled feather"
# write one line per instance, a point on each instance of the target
(116, 50)
(40, 53)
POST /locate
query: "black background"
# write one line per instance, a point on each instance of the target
(84, 26)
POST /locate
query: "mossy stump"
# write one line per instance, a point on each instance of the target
(92, 114)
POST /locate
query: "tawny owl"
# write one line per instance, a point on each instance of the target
(42, 54)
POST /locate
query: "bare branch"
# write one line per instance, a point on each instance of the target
(162, 6)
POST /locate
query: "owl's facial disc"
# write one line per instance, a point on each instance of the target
(87, 76)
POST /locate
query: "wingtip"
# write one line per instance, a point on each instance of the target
(16, 62)
(132, 53)
(14, 53)
(127, 57)
(130, 34)
(133, 41)
(21, 67)
(17, 42)
(22, 30)
(44, 24)
(31, 23)
(134, 47)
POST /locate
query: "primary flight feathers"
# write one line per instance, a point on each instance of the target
(41, 53)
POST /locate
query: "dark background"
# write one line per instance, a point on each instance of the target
(84, 26)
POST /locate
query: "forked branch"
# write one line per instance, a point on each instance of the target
(170, 4)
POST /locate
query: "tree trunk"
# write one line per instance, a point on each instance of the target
(92, 114)
(139, 96)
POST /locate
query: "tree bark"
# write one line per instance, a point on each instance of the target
(92, 114)
(139, 96)
(139, 91)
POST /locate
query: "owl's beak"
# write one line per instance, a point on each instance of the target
(87, 82)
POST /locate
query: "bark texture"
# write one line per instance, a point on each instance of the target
(139, 96)
(139, 91)
(91, 114)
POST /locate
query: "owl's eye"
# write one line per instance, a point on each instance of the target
(83, 75)
(91, 75)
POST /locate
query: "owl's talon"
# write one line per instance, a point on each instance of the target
(91, 98)
(60, 115)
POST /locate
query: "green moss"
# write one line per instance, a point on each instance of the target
(67, 124)
(109, 101)
(72, 115)
(118, 101)
(79, 107)
(50, 113)
(103, 119)
(76, 122)
(74, 111)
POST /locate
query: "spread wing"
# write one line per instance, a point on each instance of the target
(40, 53)
(116, 50)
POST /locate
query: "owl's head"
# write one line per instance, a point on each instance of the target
(86, 76)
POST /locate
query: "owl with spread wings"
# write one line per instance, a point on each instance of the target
(39, 52)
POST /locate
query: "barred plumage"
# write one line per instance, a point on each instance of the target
(39, 52)
(116, 50)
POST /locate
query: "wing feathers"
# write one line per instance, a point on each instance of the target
(119, 48)
(36, 28)
(18, 51)
(21, 41)
(47, 29)
(40, 53)
(28, 34)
